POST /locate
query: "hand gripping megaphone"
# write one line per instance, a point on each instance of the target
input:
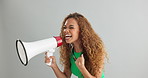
(27, 50)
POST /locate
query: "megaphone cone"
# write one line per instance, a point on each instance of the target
(27, 50)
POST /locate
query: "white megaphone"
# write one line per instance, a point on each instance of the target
(27, 50)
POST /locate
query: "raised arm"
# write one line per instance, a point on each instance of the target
(80, 64)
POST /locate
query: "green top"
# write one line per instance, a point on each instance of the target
(74, 69)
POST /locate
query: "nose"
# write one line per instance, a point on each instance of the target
(66, 30)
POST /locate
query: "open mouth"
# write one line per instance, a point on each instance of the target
(67, 37)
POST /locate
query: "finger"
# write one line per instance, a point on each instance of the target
(46, 53)
(46, 57)
(47, 60)
(52, 57)
(82, 55)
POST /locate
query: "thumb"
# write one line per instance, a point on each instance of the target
(82, 55)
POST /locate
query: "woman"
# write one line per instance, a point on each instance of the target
(82, 52)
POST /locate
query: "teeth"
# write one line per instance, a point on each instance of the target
(67, 35)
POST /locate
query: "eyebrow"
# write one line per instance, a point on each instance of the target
(69, 25)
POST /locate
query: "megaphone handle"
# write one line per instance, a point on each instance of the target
(50, 53)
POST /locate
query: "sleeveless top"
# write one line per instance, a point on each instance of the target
(74, 69)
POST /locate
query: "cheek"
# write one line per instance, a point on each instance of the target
(76, 34)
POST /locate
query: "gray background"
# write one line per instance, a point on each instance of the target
(122, 24)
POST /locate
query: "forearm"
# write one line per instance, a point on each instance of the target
(58, 72)
(85, 73)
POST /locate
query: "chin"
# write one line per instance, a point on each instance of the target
(68, 42)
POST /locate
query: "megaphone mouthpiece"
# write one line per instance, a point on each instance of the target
(59, 40)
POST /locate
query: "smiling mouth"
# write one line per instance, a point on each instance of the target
(67, 37)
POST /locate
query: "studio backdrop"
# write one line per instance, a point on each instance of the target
(122, 25)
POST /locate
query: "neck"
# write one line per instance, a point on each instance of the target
(77, 47)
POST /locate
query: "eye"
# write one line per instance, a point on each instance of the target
(64, 27)
(71, 27)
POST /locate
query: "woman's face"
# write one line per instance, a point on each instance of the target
(71, 31)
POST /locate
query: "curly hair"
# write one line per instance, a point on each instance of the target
(93, 47)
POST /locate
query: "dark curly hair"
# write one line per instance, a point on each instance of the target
(93, 48)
